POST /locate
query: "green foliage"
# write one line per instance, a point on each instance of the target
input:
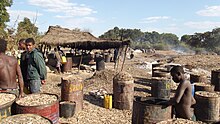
(207, 41)
(143, 40)
(26, 26)
(4, 16)
(161, 46)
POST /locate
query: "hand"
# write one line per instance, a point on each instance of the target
(43, 82)
(21, 94)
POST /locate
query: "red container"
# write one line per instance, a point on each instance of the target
(49, 111)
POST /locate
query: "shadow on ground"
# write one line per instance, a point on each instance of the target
(93, 100)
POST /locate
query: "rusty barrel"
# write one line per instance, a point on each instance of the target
(207, 106)
(198, 78)
(43, 104)
(215, 79)
(155, 67)
(123, 91)
(204, 87)
(6, 105)
(160, 87)
(69, 62)
(150, 110)
(72, 90)
(76, 60)
(100, 63)
(107, 57)
(160, 73)
(25, 119)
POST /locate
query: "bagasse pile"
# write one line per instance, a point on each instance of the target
(123, 76)
(203, 84)
(37, 99)
(206, 94)
(93, 110)
(6, 98)
(180, 121)
(25, 119)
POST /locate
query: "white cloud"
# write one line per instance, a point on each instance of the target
(202, 25)
(154, 19)
(63, 6)
(210, 11)
(79, 21)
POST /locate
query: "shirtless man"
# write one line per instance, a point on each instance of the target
(183, 99)
(9, 71)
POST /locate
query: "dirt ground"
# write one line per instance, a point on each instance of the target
(139, 67)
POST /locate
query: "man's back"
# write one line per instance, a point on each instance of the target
(8, 67)
(183, 108)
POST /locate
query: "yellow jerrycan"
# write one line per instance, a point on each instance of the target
(63, 59)
(108, 101)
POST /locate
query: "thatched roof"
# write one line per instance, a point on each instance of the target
(57, 36)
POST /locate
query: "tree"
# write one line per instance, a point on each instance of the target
(4, 16)
(26, 29)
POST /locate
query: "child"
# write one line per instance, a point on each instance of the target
(183, 99)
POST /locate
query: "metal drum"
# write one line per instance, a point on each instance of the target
(69, 63)
(72, 90)
(160, 88)
(5, 109)
(123, 90)
(149, 110)
(49, 111)
(207, 106)
(215, 79)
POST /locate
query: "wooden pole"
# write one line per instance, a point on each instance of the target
(80, 61)
(124, 57)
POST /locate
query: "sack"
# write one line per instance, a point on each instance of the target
(63, 59)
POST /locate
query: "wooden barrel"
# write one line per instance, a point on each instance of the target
(207, 106)
(160, 88)
(67, 109)
(204, 87)
(43, 104)
(123, 90)
(149, 110)
(100, 63)
(25, 119)
(72, 90)
(6, 104)
(69, 63)
(198, 78)
(215, 79)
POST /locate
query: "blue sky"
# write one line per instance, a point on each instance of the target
(98, 16)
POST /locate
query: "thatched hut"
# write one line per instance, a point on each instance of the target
(57, 36)
(78, 40)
